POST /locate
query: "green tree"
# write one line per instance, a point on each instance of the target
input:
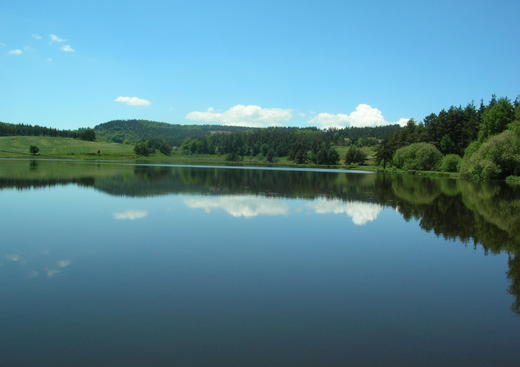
(446, 145)
(270, 155)
(355, 155)
(142, 148)
(33, 149)
(87, 134)
(450, 163)
(165, 148)
(384, 153)
(300, 156)
(496, 118)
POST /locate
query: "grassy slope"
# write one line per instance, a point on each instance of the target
(51, 147)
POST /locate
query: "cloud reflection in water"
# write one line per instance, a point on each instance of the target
(360, 212)
(130, 215)
(246, 206)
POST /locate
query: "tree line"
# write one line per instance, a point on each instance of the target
(301, 145)
(480, 142)
(7, 129)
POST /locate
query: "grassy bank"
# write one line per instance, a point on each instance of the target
(51, 147)
(67, 148)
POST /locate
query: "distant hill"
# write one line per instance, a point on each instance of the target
(133, 131)
(118, 131)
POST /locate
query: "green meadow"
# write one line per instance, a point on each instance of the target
(53, 147)
(68, 148)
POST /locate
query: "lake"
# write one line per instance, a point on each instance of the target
(134, 265)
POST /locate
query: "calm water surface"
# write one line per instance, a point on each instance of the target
(121, 265)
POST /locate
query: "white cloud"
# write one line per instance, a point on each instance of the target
(364, 115)
(246, 206)
(130, 215)
(67, 48)
(133, 101)
(14, 258)
(361, 213)
(52, 272)
(402, 121)
(15, 52)
(37, 36)
(63, 263)
(241, 115)
(55, 38)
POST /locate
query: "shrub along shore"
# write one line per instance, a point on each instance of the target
(111, 152)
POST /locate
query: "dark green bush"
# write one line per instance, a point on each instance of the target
(498, 157)
(355, 155)
(232, 157)
(149, 146)
(34, 149)
(450, 163)
(417, 156)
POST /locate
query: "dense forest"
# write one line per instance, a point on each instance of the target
(7, 129)
(480, 142)
(301, 145)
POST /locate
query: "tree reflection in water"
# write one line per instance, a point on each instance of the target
(484, 215)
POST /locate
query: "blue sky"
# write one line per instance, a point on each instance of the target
(306, 63)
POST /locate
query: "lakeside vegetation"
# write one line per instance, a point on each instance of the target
(477, 143)
(482, 143)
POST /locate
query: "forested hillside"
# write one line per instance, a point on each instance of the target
(133, 131)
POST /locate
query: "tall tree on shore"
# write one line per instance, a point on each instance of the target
(496, 118)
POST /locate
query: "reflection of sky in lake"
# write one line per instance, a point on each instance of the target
(37, 264)
(361, 213)
(249, 206)
(130, 214)
(155, 278)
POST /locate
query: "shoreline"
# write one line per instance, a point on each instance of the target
(204, 164)
(249, 164)
(253, 164)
